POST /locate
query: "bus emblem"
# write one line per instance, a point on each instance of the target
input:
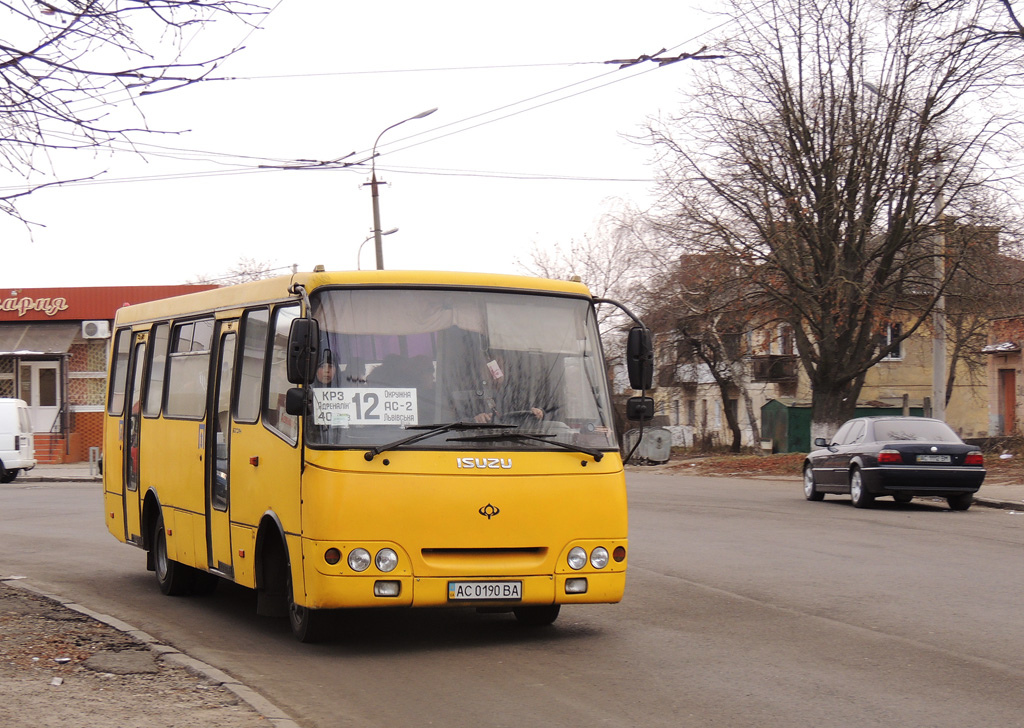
(484, 463)
(489, 510)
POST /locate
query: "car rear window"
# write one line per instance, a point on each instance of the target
(908, 430)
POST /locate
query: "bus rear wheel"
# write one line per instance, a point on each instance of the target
(537, 616)
(175, 579)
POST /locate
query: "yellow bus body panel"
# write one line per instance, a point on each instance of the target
(448, 522)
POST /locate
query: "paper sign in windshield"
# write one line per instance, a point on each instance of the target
(364, 406)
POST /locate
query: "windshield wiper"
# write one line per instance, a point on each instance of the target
(596, 454)
(430, 431)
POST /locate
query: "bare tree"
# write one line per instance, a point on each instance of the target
(820, 161)
(68, 69)
(612, 263)
(245, 270)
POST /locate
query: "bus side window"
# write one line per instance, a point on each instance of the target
(275, 417)
(157, 368)
(189, 370)
(250, 377)
(119, 372)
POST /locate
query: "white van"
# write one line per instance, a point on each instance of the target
(17, 445)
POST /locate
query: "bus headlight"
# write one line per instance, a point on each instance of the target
(577, 558)
(599, 557)
(386, 560)
(359, 559)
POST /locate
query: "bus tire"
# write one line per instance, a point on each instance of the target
(308, 625)
(537, 616)
(174, 578)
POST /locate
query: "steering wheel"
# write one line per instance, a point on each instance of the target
(524, 415)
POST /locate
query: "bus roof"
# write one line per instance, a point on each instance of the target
(277, 288)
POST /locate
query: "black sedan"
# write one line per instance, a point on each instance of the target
(898, 456)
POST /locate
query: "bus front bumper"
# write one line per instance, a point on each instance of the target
(334, 592)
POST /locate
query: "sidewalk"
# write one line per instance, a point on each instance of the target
(131, 680)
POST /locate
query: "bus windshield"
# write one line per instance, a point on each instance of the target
(393, 359)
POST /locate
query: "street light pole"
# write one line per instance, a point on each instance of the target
(359, 253)
(375, 197)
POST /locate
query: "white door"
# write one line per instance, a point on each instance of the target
(40, 388)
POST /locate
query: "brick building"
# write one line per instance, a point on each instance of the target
(53, 354)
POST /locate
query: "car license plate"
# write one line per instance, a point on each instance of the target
(485, 590)
(933, 459)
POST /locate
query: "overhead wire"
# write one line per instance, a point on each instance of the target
(265, 164)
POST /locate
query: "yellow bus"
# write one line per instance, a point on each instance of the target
(372, 439)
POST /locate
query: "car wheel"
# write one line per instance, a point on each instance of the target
(903, 498)
(810, 490)
(6, 476)
(960, 501)
(860, 497)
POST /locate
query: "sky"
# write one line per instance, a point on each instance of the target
(529, 147)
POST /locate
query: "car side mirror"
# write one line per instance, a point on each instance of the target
(820, 442)
(640, 358)
(640, 409)
(303, 343)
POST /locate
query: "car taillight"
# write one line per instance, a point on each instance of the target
(974, 458)
(890, 457)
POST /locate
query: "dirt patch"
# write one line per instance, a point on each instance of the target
(46, 651)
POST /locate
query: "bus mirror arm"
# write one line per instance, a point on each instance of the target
(640, 367)
(639, 349)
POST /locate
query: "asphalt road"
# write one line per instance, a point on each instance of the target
(745, 606)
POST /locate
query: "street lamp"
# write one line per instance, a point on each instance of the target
(373, 187)
(359, 265)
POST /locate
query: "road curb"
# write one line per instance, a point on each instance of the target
(167, 653)
(1003, 504)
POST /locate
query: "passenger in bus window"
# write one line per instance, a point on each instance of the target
(325, 372)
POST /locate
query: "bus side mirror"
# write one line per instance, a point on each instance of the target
(640, 409)
(640, 358)
(295, 402)
(303, 342)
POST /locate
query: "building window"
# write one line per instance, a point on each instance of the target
(787, 343)
(893, 333)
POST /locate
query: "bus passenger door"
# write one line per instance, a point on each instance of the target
(218, 457)
(132, 440)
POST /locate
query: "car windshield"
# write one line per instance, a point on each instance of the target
(910, 430)
(392, 359)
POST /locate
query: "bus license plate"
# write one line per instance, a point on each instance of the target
(933, 458)
(485, 590)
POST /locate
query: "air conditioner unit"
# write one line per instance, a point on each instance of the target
(95, 329)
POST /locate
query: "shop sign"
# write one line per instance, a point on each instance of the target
(23, 305)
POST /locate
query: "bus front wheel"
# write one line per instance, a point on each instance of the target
(308, 625)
